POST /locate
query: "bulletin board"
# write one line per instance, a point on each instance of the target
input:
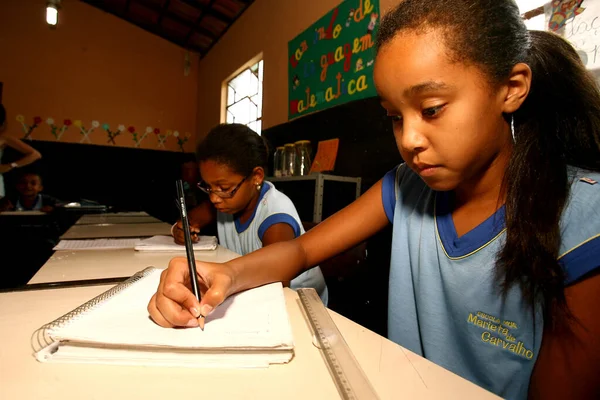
(331, 62)
(578, 21)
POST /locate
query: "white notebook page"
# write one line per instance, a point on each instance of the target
(97, 244)
(167, 243)
(253, 319)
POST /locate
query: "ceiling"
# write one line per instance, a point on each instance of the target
(195, 25)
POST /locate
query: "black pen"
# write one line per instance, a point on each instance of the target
(189, 247)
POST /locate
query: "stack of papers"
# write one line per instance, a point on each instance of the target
(167, 244)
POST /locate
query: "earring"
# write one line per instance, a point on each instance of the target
(257, 186)
(512, 128)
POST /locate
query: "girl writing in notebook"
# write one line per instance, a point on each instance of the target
(250, 213)
(495, 213)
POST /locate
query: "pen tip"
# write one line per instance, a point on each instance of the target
(201, 322)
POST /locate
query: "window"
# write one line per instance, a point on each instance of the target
(244, 97)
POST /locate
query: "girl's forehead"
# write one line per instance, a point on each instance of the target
(419, 59)
(431, 43)
(215, 168)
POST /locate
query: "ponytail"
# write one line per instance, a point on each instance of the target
(557, 125)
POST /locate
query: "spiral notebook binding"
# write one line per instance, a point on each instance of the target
(43, 335)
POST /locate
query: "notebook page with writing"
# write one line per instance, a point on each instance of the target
(96, 244)
(255, 318)
(167, 243)
(116, 218)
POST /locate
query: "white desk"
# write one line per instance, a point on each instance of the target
(93, 264)
(394, 372)
(24, 212)
(116, 231)
(117, 218)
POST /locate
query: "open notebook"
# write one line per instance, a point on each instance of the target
(167, 244)
(250, 329)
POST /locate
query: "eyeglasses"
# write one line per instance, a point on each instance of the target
(222, 194)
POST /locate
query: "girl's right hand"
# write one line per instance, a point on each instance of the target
(174, 304)
(177, 232)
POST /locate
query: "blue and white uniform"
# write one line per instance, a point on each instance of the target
(444, 301)
(273, 207)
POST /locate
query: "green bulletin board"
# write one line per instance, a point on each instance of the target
(331, 62)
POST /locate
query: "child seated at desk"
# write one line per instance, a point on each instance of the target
(190, 176)
(495, 262)
(30, 197)
(249, 211)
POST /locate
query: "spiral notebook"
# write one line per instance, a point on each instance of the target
(249, 330)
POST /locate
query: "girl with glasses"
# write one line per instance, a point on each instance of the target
(250, 212)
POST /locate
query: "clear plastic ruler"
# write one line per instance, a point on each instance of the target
(351, 381)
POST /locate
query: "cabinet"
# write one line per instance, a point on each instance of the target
(318, 196)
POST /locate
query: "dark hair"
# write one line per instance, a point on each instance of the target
(557, 125)
(29, 171)
(236, 146)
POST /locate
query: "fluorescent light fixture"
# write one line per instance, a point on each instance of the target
(52, 7)
(51, 15)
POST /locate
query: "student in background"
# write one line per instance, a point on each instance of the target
(190, 175)
(250, 213)
(496, 223)
(30, 197)
(29, 153)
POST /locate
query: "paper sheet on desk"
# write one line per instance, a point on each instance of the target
(167, 244)
(97, 244)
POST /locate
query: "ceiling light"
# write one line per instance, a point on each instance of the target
(52, 7)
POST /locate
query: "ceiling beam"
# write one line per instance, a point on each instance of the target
(198, 20)
(205, 9)
(165, 9)
(178, 19)
(248, 3)
(123, 12)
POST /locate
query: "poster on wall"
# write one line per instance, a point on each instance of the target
(331, 62)
(578, 21)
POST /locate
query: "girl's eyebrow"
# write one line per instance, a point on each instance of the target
(420, 88)
(221, 181)
(429, 86)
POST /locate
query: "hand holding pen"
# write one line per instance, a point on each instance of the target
(189, 247)
(177, 232)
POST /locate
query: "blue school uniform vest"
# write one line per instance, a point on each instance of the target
(444, 301)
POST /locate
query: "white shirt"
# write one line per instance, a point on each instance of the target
(273, 207)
